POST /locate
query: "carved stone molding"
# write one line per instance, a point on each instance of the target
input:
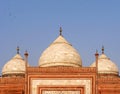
(60, 70)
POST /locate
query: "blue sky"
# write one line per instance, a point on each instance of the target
(34, 24)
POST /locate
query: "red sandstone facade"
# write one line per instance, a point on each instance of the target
(101, 85)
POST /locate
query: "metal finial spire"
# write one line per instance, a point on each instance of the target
(60, 30)
(18, 49)
(102, 49)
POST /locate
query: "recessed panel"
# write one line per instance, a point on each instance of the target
(61, 92)
(35, 83)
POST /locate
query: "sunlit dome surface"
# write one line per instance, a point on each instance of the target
(14, 66)
(105, 65)
(60, 53)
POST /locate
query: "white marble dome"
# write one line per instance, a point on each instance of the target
(15, 66)
(105, 65)
(60, 53)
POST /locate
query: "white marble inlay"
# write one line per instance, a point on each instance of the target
(80, 82)
(61, 92)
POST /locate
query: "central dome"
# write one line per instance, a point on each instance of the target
(60, 53)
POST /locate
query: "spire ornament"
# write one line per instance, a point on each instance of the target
(18, 49)
(96, 57)
(102, 49)
(60, 31)
(26, 53)
(96, 54)
(26, 64)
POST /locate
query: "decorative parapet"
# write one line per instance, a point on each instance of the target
(12, 80)
(109, 80)
(61, 70)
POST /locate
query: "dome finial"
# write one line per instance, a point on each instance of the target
(102, 49)
(18, 49)
(60, 31)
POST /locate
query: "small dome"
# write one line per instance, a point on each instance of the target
(15, 66)
(105, 65)
(60, 53)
